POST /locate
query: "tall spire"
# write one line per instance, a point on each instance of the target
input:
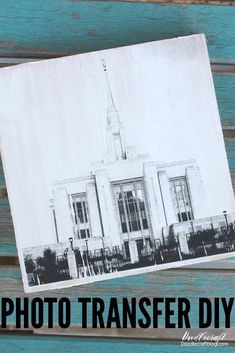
(115, 134)
(111, 104)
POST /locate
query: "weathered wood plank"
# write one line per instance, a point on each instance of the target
(225, 93)
(229, 132)
(223, 67)
(139, 334)
(42, 27)
(9, 261)
(171, 283)
(184, 2)
(230, 148)
(7, 237)
(218, 67)
(32, 344)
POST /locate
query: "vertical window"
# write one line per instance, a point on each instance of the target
(131, 206)
(181, 199)
(81, 215)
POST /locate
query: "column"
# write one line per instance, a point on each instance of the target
(72, 264)
(183, 242)
(108, 209)
(167, 198)
(197, 192)
(63, 214)
(95, 221)
(155, 206)
(133, 251)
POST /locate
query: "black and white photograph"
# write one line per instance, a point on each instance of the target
(115, 163)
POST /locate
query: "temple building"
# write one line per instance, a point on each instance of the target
(129, 200)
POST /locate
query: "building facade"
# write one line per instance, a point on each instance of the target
(128, 200)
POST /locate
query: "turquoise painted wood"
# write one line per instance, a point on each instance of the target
(225, 93)
(40, 28)
(171, 283)
(71, 345)
(69, 26)
(230, 148)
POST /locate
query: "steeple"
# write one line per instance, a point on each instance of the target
(114, 129)
(111, 105)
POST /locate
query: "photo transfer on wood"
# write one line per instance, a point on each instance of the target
(115, 163)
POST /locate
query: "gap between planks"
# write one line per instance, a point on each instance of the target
(218, 67)
(153, 334)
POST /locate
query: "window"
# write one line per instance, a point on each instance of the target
(131, 206)
(81, 215)
(181, 199)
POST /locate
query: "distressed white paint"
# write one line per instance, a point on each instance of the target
(53, 126)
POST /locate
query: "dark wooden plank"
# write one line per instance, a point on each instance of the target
(223, 68)
(9, 261)
(3, 192)
(229, 132)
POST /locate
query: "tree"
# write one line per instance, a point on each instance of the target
(29, 264)
(48, 269)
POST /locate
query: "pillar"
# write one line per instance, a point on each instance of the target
(155, 206)
(167, 198)
(133, 251)
(197, 192)
(183, 242)
(108, 208)
(63, 214)
(95, 221)
(72, 264)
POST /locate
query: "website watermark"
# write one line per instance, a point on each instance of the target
(204, 338)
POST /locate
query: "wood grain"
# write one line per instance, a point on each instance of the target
(170, 283)
(45, 29)
(47, 344)
(184, 2)
(7, 237)
(150, 334)
(63, 26)
(9, 261)
(218, 67)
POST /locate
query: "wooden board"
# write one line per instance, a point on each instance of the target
(40, 29)
(63, 26)
(170, 283)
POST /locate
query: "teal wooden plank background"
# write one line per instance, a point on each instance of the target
(225, 93)
(67, 26)
(71, 345)
(47, 28)
(171, 283)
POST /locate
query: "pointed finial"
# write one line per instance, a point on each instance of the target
(110, 95)
(104, 65)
